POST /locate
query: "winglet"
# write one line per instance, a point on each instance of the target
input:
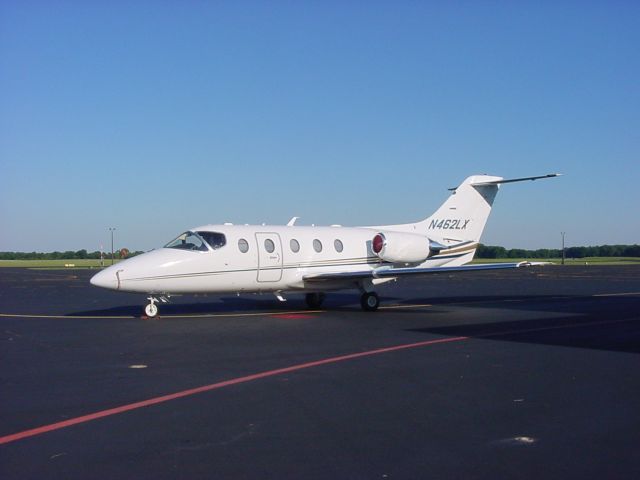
(293, 221)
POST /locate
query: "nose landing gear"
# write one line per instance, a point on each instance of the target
(151, 309)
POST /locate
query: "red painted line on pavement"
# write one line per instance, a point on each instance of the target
(206, 388)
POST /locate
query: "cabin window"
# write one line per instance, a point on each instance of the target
(317, 245)
(214, 239)
(294, 245)
(338, 245)
(269, 246)
(188, 241)
(243, 245)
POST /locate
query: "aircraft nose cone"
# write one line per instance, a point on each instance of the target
(105, 279)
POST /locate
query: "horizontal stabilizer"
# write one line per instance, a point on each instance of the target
(512, 180)
(500, 181)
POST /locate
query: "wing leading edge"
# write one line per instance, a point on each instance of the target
(390, 272)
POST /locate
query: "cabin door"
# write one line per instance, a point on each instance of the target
(269, 257)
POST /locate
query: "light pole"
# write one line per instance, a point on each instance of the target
(562, 233)
(113, 229)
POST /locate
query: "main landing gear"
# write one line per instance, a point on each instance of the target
(314, 300)
(369, 301)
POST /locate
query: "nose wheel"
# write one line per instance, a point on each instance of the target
(369, 301)
(151, 309)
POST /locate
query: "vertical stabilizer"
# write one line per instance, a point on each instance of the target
(462, 217)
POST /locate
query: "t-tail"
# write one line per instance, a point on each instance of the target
(460, 221)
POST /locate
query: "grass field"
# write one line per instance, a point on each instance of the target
(568, 261)
(91, 263)
(87, 263)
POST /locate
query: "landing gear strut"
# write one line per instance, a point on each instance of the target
(369, 301)
(314, 300)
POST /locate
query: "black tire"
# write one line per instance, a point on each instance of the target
(370, 301)
(314, 300)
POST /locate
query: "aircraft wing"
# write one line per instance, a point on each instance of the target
(389, 272)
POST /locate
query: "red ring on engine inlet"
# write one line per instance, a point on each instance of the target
(377, 243)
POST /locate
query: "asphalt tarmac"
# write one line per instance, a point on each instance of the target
(531, 373)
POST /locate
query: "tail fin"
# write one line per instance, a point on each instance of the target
(462, 217)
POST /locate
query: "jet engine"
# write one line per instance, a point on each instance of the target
(397, 247)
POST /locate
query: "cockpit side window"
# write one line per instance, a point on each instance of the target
(188, 241)
(214, 239)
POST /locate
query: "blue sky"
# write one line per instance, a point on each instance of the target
(154, 117)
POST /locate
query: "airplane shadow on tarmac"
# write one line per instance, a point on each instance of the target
(601, 323)
(222, 305)
(267, 302)
(611, 324)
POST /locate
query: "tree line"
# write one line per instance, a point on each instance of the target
(492, 251)
(68, 255)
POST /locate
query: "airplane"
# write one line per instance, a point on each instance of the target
(286, 259)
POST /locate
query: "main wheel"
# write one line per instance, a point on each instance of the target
(151, 310)
(369, 301)
(314, 300)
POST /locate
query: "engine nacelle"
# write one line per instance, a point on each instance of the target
(399, 247)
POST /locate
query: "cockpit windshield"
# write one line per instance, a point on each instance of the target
(188, 241)
(198, 241)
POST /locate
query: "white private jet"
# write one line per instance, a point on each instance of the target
(287, 259)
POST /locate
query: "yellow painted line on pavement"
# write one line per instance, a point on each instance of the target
(22, 315)
(629, 294)
(393, 307)
(204, 315)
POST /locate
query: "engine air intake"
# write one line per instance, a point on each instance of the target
(397, 247)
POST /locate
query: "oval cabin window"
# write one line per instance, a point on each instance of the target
(269, 245)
